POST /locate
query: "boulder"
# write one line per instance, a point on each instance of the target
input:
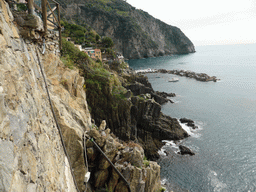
(100, 140)
(185, 120)
(189, 123)
(185, 150)
(103, 125)
(192, 125)
(33, 21)
(133, 155)
(110, 150)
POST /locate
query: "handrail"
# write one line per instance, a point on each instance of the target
(56, 121)
(53, 14)
(118, 172)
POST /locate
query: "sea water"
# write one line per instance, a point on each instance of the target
(225, 111)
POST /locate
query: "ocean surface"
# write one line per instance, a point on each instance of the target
(225, 111)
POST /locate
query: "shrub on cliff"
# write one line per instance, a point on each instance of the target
(107, 42)
(72, 55)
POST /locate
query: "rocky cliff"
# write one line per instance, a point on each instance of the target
(32, 155)
(136, 34)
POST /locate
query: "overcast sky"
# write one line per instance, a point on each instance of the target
(206, 22)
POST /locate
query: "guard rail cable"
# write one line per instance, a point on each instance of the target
(118, 172)
(56, 121)
(87, 176)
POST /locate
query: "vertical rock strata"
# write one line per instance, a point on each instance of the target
(31, 153)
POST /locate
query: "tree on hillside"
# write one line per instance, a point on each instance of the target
(107, 42)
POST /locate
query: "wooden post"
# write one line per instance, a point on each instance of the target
(31, 7)
(59, 27)
(44, 14)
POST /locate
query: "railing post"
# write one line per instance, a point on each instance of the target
(44, 14)
(31, 9)
(59, 26)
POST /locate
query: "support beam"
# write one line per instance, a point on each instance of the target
(49, 13)
(59, 27)
(31, 9)
(53, 14)
(44, 14)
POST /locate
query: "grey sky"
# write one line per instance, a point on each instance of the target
(207, 22)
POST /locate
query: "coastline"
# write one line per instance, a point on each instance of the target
(174, 147)
(175, 144)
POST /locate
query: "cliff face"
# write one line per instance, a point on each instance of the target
(136, 34)
(134, 115)
(32, 157)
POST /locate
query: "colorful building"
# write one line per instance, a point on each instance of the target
(93, 53)
(98, 54)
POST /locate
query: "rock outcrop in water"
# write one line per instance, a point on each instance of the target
(189, 123)
(185, 150)
(136, 34)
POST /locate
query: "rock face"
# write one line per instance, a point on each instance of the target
(32, 156)
(136, 34)
(137, 118)
(128, 158)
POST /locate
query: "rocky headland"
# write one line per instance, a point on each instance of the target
(136, 34)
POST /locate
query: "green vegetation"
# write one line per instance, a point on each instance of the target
(162, 189)
(107, 42)
(71, 55)
(86, 37)
(145, 161)
(103, 86)
(83, 35)
(110, 6)
(22, 7)
(77, 33)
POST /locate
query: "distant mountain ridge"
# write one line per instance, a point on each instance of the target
(136, 34)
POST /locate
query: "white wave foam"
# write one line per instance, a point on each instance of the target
(145, 70)
(163, 181)
(162, 152)
(190, 131)
(215, 182)
(170, 143)
(186, 128)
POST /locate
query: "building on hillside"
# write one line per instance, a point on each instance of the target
(120, 57)
(90, 51)
(79, 47)
(98, 54)
(93, 53)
